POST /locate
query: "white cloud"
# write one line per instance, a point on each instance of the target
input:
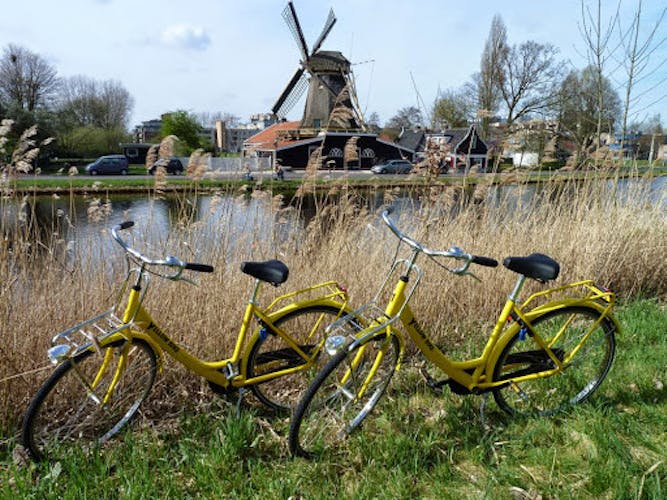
(186, 37)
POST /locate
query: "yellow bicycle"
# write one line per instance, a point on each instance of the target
(551, 351)
(106, 365)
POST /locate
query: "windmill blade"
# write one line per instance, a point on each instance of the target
(289, 15)
(292, 93)
(331, 20)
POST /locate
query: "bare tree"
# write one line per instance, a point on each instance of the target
(87, 102)
(599, 47)
(637, 64)
(208, 119)
(27, 81)
(529, 79)
(116, 105)
(409, 117)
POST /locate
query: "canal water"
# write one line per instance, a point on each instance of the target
(71, 220)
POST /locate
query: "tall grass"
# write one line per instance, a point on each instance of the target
(48, 284)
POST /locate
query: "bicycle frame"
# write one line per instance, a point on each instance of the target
(475, 374)
(137, 323)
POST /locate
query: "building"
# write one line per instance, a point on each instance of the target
(136, 151)
(148, 131)
(295, 146)
(455, 148)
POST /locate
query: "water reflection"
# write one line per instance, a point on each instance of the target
(246, 219)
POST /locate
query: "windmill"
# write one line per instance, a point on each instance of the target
(331, 101)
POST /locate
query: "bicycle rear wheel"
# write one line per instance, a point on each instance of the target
(563, 330)
(270, 354)
(342, 395)
(77, 405)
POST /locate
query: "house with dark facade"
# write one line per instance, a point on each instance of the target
(136, 151)
(456, 148)
(294, 146)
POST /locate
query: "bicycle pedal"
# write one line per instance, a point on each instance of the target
(435, 385)
(230, 371)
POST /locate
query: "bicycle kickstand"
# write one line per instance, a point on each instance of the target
(482, 414)
(242, 391)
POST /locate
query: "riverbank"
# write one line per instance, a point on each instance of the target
(323, 179)
(611, 446)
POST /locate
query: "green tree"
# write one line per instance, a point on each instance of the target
(486, 84)
(184, 126)
(580, 115)
(452, 109)
(409, 117)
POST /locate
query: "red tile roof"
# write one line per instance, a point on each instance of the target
(268, 138)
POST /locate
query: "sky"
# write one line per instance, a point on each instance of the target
(236, 56)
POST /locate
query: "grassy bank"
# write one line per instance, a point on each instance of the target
(419, 444)
(39, 184)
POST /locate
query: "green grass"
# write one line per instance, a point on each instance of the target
(133, 183)
(416, 444)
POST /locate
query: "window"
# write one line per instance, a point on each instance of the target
(335, 153)
(317, 123)
(368, 153)
(131, 152)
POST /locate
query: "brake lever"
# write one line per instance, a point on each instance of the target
(468, 273)
(188, 280)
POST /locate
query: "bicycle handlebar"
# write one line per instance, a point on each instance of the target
(169, 261)
(453, 252)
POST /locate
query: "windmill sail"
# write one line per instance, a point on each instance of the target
(289, 15)
(292, 93)
(331, 20)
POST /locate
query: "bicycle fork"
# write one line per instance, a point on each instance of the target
(91, 388)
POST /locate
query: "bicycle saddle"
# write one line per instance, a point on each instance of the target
(271, 271)
(537, 266)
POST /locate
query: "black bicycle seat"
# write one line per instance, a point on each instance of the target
(537, 266)
(271, 271)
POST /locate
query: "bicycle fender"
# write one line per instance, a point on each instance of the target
(276, 315)
(510, 332)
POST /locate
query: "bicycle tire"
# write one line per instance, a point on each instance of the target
(63, 414)
(579, 379)
(330, 409)
(270, 353)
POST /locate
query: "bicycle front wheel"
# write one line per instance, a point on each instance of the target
(576, 328)
(272, 355)
(342, 395)
(89, 398)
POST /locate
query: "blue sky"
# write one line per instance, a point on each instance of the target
(235, 56)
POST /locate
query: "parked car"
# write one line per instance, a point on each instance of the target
(393, 167)
(172, 166)
(108, 165)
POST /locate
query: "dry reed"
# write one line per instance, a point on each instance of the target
(618, 240)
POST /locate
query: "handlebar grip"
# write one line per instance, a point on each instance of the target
(201, 268)
(484, 261)
(126, 225)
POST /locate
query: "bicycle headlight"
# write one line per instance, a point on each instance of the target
(334, 344)
(58, 353)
